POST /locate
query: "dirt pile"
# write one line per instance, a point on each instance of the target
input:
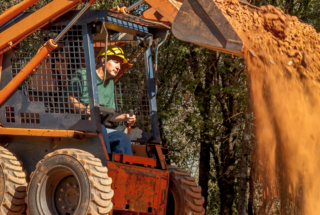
(283, 60)
(275, 21)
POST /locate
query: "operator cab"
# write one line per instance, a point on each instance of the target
(43, 97)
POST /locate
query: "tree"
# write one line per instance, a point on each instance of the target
(209, 86)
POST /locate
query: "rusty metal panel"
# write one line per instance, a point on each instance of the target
(162, 197)
(128, 159)
(138, 189)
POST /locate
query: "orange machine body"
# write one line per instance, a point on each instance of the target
(141, 181)
(39, 132)
(167, 8)
(140, 184)
(147, 187)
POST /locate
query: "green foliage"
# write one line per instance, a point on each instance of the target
(184, 95)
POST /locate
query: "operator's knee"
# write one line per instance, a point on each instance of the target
(121, 143)
(105, 138)
(127, 144)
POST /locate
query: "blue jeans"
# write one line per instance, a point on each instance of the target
(116, 141)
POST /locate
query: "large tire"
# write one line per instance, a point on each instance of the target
(12, 184)
(69, 181)
(184, 197)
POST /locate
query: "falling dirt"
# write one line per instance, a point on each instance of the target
(282, 58)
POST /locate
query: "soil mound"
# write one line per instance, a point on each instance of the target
(282, 59)
(275, 21)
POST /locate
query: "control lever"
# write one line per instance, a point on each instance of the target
(130, 114)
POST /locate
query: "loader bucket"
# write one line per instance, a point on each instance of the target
(203, 23)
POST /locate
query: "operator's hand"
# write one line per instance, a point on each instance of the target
(87, 110)
(131, 119)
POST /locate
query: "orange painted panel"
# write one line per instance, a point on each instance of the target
(38, 132)
(167, 8)
(152, 14)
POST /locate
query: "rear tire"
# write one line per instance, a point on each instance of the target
(69, 181)
(12, 184)
(184, 197)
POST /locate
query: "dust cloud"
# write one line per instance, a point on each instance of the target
(282, 59)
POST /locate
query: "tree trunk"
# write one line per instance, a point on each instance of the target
(163, 138)
(251, 189)
(204, 170)
(245, 147)
(226, 179)
(203, 97)
(226, 169)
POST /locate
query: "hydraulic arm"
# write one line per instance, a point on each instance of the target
(25, 28)
(16, 33)
(15, 10)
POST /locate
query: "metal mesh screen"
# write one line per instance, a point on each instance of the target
(61, 77)
(131, 90)
(10, 116)
(60, 80)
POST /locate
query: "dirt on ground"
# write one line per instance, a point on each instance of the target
(282, 59)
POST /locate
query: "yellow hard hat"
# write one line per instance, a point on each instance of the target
(113, 51)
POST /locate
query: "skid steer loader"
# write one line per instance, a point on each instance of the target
(53, 158)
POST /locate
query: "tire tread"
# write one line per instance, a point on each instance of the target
(15, 184)
(193, 200)
(100, 184)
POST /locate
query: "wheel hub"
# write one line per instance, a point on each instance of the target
(67, 196)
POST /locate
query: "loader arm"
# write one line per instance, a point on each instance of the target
(16, 33)
(11, 36)
(200, 22)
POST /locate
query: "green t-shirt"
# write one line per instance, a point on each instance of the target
(78, 85)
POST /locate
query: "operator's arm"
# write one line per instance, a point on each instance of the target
(75, 92)
(124, 117)
(75, 104)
